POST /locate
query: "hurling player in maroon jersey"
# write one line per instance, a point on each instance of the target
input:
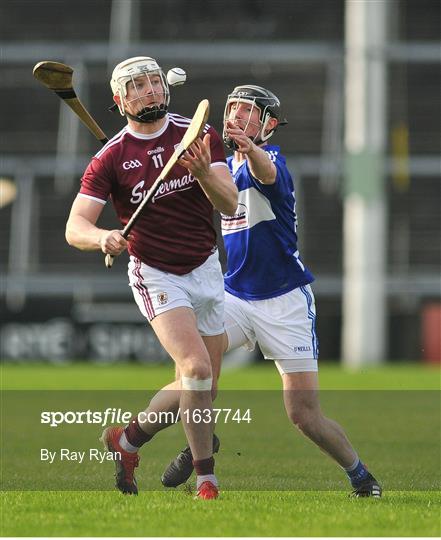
(174, 269)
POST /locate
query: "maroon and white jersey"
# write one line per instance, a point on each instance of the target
(175, 231)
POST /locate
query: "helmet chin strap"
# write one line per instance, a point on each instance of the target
(261, 136)
(147, 115)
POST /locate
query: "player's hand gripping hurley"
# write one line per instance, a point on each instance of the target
(194, 131)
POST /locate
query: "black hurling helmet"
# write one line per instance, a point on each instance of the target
(267, 103)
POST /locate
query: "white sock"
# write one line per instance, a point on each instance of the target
(206, 478)
(125, 445)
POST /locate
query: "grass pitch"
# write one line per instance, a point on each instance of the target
(245, 513)
(406, 461)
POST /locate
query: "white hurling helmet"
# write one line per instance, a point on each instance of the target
(128, 71)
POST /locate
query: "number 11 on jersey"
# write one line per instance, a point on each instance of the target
(157, 160)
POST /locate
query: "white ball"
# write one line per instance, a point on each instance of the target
(176, 76)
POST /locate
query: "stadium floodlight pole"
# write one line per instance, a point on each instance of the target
(194, 130)
(58, 78)
(365, 197)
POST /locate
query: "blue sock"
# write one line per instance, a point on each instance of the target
(357, 473)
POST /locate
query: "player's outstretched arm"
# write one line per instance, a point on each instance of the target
(261, 167)
(216, 182)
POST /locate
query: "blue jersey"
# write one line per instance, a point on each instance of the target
(260, 239)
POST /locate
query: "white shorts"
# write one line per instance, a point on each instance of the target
(202, 290)
(284, 328)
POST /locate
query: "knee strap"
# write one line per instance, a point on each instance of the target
(188, 383)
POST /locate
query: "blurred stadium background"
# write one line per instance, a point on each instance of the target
(59, 304)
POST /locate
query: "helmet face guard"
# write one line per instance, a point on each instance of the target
(134, 70)
(265, 102)
(230, 112)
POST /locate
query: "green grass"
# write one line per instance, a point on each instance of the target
(233, 514)
(390, 413)
(82, 376)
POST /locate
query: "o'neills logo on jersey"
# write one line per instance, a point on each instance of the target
(155, 151)
(237, 222)
(168, 187)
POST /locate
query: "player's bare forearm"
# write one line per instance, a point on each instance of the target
(216, 181)
(261, 167)
(220, 189)
(83, 234)
(81, 231)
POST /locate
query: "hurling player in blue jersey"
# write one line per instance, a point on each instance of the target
(269, 299)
